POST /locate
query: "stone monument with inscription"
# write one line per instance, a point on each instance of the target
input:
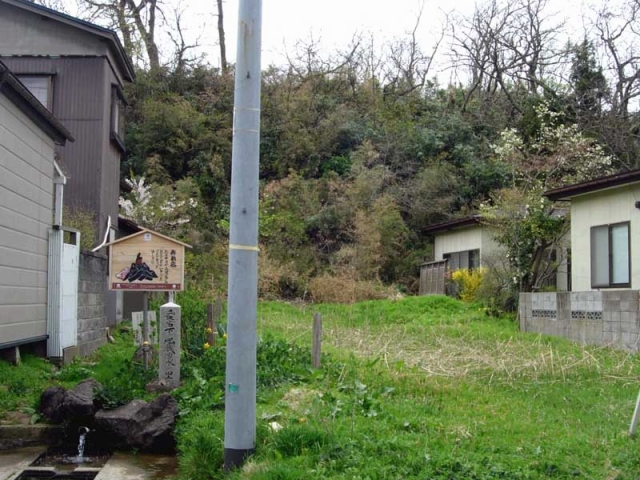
(169, 345)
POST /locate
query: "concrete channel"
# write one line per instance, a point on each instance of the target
(120, 466)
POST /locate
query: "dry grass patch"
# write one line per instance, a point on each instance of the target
(299, 399)
(439, 354)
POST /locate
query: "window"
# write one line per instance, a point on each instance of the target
(39, 86)
(466, 259)
(610, 256)
(117, 117)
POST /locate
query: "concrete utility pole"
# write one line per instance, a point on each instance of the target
(240, 395)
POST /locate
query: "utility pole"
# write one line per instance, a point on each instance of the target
(240, 390)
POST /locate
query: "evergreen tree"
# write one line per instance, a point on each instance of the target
(587, 82)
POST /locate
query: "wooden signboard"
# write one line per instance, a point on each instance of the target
(146, 261)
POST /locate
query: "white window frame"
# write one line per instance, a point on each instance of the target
(24, 79)
(609, 260)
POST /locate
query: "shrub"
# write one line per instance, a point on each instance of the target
(343, 289)
(84, 221)
(127, 385)
(193, 303)
(468, 282)
(499, 289)
(277, 281)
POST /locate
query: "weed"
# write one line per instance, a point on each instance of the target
(126, 385)
(21, 386)
(301, 439)
(201, 446)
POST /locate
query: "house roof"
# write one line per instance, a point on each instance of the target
(146, 230)
(602, 183)
(127, 224)
(453, 224)
(22, 98)
(121, 55)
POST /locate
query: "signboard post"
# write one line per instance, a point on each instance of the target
(148, 261)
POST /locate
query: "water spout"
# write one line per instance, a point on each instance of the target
(83, 434)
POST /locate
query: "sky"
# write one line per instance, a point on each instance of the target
(334, 22)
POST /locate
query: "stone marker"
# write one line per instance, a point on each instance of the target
(137, 319)
(170, 345)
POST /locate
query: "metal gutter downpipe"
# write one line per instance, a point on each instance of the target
(240, 387)
(106, 236)
(54, 270)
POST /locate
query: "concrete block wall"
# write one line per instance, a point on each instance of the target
(92, 302)
(595, 318)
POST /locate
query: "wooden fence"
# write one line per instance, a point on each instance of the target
(432, 276)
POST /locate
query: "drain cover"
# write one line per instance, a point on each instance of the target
(40, 474)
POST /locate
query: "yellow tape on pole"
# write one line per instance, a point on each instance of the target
(251, 248)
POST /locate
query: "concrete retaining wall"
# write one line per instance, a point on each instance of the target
(92, 302)
(595, 318)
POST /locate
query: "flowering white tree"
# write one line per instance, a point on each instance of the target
(165, 208)
(527, 224)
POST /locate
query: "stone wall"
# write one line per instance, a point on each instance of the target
(597, 317)
(92, 302)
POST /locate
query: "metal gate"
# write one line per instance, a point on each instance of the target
(64, 261)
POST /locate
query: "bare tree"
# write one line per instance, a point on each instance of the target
(221, 40)
(135, 21)
(619, 34)
(407, 67)
(618, 44)
(507, 45)
(181, 47)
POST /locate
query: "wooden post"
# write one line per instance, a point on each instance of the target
(145, 329)
(634, 419)
(217, 311)
(317, 340)
(211, 326)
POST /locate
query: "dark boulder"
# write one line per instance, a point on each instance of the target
(51, 404)
(60, 405)
(141, 425)
(79, 402)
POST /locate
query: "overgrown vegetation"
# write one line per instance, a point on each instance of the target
(423, 387)
(84, 221)
(363, 147)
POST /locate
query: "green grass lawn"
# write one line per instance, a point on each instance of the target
(423, 387)
(433, 388)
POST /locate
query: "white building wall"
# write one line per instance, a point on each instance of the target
(466, 238)
(490, 248)
(26, 213)
(457, 240)
(602, 208)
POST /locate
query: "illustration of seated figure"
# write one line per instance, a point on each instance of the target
(140, 271)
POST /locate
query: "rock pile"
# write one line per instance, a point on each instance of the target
(140, 425)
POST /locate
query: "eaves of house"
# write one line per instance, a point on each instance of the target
(20, 96)
(452, 224)
(603, 183)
